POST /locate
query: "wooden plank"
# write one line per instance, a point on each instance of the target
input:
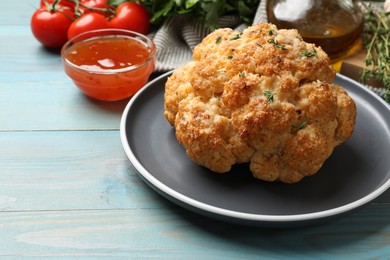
(179, 234)
(53, 103)
(68, 170)
(353, 66)
(17, 12)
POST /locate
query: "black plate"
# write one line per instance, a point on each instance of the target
(357, 172)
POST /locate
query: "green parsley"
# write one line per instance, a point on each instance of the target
(272, 41)
(281, 46)
(277, 45)
(269, 95)
(271, 32)
(309, 54)
(236, 37)
(302, 125)
(230, 57)
(218, 40)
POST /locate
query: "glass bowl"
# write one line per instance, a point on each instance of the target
(109, 64)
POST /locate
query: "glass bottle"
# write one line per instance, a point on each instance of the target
(335, 25)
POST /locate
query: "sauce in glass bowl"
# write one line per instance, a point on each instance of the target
(109, 64)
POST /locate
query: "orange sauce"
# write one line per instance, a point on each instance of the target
(108, 53)
(104, 66)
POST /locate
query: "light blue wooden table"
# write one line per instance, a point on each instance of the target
(68, 190)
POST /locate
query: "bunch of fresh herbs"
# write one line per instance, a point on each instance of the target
(207, 10)
(376, 40)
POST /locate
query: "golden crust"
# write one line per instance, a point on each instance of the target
(263, 96)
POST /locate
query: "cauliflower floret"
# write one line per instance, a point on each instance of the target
(263, 97)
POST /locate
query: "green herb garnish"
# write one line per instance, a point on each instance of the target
(218, 40)
(302, 125)
(281, 46)
(236, 37)
(277, 45)
(269, 95)
(272, 41)
(230, 57)
(271, 32)
(309, 54)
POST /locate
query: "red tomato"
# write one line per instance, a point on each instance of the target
(88, 6)
(87, 22)
(50, 27)
(131, 16)
(64, 3)
(94, 3)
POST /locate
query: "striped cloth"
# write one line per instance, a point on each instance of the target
(178, 36)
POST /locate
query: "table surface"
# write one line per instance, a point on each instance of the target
(67, 188)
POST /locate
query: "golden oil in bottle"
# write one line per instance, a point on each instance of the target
(335, 25)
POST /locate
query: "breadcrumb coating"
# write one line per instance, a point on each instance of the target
(263, 96)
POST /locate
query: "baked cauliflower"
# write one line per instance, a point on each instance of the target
(262, 96)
